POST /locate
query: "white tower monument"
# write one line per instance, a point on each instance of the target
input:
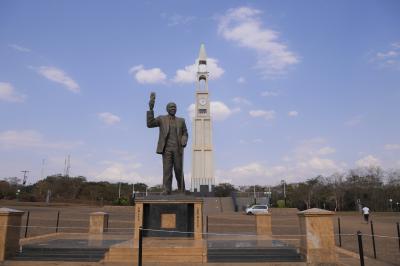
(202, 158)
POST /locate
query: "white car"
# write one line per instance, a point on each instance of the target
(257, 209)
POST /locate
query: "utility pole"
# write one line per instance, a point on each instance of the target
(254, 194)
(25, 176)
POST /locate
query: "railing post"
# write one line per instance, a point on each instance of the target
(360, 248)
(58, 220)
(140, 246)
(340, 232)
(207, 224)
(373, 238)
(27, 224)
(398, 233)
(107, 221)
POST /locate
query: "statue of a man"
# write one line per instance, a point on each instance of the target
(172, 140)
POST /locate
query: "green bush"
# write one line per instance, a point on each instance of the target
(121, 202)
(280, 203)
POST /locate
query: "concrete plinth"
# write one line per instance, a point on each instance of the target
(10, 226)
(169, 216)
(98, 222)
(263, 224)
(317, 242)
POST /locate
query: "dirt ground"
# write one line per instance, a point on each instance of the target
(385, 230)
(75, 219)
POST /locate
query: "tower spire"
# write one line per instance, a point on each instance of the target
(202, 53)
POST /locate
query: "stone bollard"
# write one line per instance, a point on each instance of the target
(98, 222)
(263, 224)
(317, 241)
(10, 227)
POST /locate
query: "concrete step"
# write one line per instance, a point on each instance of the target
(60, 254)
(254, 255)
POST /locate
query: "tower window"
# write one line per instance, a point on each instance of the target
(202, 111)
(202, 83)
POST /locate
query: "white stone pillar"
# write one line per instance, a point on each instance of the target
(317, 241)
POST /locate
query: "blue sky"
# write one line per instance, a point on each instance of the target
(298, 88)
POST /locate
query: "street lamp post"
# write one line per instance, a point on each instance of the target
(391, 204)
(284, 191)
(269, 198)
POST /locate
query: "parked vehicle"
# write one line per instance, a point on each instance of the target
(257, 209)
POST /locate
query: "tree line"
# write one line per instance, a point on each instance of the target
(374, 187)
(370, 186)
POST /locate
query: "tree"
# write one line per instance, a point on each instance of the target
(140, 187)
(338, 186)
(156, 188)
(224, 190)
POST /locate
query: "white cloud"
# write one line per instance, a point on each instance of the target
(243, 26)
(392, 147)
(269, 93)
(293, 113)
(266, 114)
(12, 139)
(109, 118)
(354, 121)
(307, 160)
(241, 80)
(8, 93)
(59, 76)
(118, 171)
(219, 110)
(148, 76)
(368, 161)
(177, 19)
(309, 148)
(258, 169)
(326, 150)
(19, 48)
(317, 163)
(241, 100)
(188, 74)
(389, 58)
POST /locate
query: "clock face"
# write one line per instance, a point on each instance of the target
(202, 101)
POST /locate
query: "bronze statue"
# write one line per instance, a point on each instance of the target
(172, 140)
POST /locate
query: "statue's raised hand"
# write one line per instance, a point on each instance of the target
(152, 100)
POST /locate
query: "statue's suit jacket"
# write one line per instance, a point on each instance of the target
(162, 122)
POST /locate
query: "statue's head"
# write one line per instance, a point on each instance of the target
(171, 108)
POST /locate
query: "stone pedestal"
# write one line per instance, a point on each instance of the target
(167, 214)
(263, 224)
(98, 222)
(10, 227)
(317, 242)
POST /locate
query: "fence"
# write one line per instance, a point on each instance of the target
(380, 240)
(382, 244)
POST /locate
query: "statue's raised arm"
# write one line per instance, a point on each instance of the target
(152, 100)
(151, 121)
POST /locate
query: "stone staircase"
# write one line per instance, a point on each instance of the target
(235, 223)
(242, 250)
(34, 253)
